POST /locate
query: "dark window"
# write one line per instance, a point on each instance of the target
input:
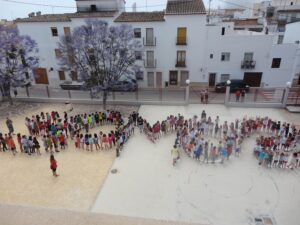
(74, 76)
(137, 33)
(138, 55)
(223, 30)
(54, 31)
(276, 62)
(180, 59)
(93, 8)
(211, 56)
(225, 56)
(139, 75)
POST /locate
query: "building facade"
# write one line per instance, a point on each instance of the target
(178, 44)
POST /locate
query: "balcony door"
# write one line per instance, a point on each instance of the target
(40, 75)
(181, 35)
(149, 36)
(150, 59)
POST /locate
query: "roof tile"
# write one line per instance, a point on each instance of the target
(140, 17)
(185, 7)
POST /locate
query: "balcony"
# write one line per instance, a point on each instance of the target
(180, 64)
(181, 40)
(150, 63)
(149, 42)
(248, 64)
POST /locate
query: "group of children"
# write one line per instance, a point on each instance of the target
(55, 131)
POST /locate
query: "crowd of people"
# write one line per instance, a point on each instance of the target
(277, 147)
(55, 130)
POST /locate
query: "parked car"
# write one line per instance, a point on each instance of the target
(234, 85)
(69, 85)
(125, 85)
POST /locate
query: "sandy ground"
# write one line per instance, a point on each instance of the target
(234, 193)
(28, 180)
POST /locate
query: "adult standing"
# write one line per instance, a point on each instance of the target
(53, 165)
(206, 96)
(9, 124)
(243, 94)
(237, 95)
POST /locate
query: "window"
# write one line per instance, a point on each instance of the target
(139, 75)
(223, 30)
(225, 77)
(181, 35)
(54, 31)
(67, 30)
(137, 32)
(149, 37)
(276, 62)
(225, 56)
(61, 75)
(280, 39)
(211, 56)
(57, 53)
(138, 55)
(93, 8)
(180, 59)
(150, 59)
(248, 56)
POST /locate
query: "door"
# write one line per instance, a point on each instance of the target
(253, 79)
(40, 75)
(150, 76)
(174, 78)
(212, 80)
(159, 79)
(150, 59)
(183, 77)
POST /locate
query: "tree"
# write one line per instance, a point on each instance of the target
(17, 59)
(99, 54)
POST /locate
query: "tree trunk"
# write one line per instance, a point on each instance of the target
(105, 93)
(5, 91)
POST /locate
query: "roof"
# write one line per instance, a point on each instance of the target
(246, 22)
(185, 7)
(66, 17)
(140, 17)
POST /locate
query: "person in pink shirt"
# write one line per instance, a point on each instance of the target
(110, 140)
(105, 141)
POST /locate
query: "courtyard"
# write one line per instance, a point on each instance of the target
(146, 184)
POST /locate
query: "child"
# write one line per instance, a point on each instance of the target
(110, 140)
(96, 142)
(53, 166)
(36, 146)
(175, 155)
(105, 141)
(77, 141)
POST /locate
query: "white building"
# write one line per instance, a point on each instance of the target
(178, 44)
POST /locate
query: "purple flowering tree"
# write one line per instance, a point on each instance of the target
(17, 59)
(100, 55)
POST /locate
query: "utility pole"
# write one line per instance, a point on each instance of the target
(208, 16)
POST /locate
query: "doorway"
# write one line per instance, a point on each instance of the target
(40, 75)
(174, 77)
(150, 77)
(183, 77)
(253, 79)
(159, 79)
(212, 79)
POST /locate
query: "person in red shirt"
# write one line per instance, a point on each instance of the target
(237, 95)
(53, 165)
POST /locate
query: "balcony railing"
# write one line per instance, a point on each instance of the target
(248, 64)
(180, 64)
(181, 41)
(150, 63)
(147, 42)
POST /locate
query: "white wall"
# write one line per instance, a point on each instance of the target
(292, 33)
